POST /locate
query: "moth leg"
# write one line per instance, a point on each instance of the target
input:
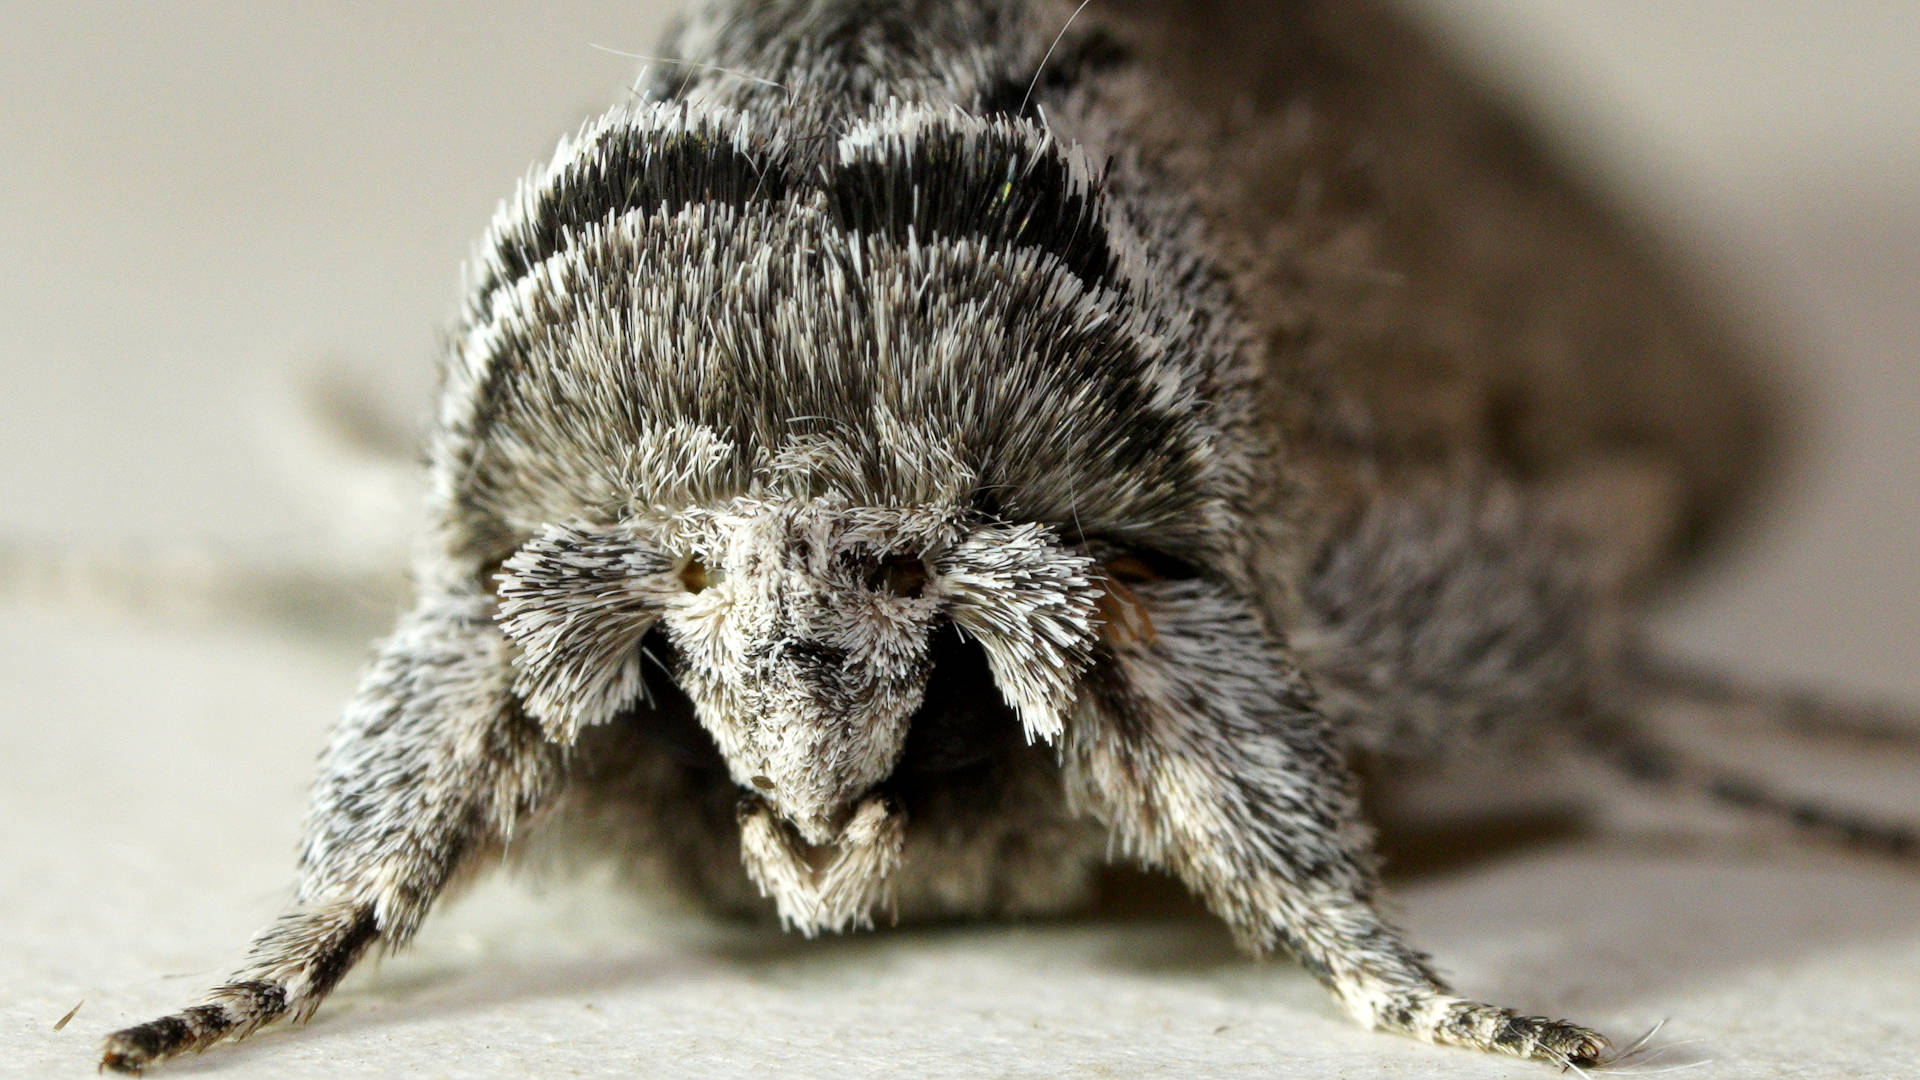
(1203, 752)
(431, 767)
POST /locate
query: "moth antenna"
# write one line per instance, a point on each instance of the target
(200, 583)
(1634, 753)
(1041, 70)
(342, 450)
(695, 64)
(1795, 710)
(347, 416)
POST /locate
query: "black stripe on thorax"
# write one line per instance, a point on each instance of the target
(999, 182)
(654, 159)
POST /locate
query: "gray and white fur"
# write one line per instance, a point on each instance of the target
(910, 456)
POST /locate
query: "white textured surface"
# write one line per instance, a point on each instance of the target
(204, 198)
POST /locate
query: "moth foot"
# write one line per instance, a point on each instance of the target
(1492, 1029)
(132, 1050)
(1503, 1031)
(1563, 1043)
(136, 1049)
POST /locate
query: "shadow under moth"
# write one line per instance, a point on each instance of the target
(913, 454)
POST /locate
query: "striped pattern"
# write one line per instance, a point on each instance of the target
(995, 182)
(654, 157)
(870, 285)
(823, 278)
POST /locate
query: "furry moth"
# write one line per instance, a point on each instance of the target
(914, 453)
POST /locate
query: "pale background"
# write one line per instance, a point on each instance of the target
(204, 201)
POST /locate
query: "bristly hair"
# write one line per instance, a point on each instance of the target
(901, 461)
(721, 285)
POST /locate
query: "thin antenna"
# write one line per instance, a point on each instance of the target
(782, 87)
(1037, 72)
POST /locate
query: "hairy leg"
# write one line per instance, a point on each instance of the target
(432, 765)
(1204, 753)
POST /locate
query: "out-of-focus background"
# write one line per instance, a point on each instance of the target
(207, 203)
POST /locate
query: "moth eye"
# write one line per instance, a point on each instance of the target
(698, 576)
(1145, 567)
(901, 575)
(493, 575)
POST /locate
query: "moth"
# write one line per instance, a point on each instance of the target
(916, 452)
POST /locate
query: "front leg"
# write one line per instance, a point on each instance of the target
(431, 766)
(1200, 747)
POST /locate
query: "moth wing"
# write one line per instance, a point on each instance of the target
(1435, 292)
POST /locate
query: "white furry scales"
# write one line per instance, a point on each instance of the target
(910, 457)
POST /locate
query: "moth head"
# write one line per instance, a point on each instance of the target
(803, 418)
(801, 631)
